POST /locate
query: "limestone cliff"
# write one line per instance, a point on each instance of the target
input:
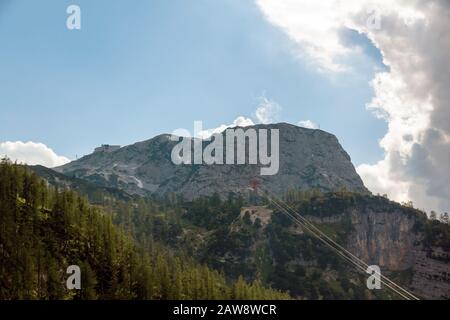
(308, 159)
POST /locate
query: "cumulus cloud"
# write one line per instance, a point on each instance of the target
(313, 25)
(379, 179)
(307, 124)
(238, 122)
(31, 153)
(412, 97)
(268, 110)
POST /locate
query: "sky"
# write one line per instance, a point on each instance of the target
(137, 70)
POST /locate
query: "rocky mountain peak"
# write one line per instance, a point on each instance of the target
(308, 158)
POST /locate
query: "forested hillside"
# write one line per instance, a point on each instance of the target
(244, 236)
(44, 230)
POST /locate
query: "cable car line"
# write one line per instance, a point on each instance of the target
(341, 251)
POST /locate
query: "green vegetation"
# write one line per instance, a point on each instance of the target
(436, 234)
(142, 248)
(315, 203)
(282, 256)
(44, 230)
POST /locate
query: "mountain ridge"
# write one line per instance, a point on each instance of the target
(309, 158)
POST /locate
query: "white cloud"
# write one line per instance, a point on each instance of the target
(379, 180)
(238, 122)
(311, 24)
(307, 124)
(316, 26)
(31, 153)
(413, 96)
(267, 111)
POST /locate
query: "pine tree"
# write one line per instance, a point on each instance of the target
(433, 215)
(88, 283)
(44, 230)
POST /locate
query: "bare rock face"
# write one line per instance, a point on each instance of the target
(308, 159)
(406, 245)
(390, 239)
(383, 238)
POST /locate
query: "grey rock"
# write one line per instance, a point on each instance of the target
(308, 159)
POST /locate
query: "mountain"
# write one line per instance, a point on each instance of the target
(250, 237)
(95, 194)
(308, 159)
(409, 248)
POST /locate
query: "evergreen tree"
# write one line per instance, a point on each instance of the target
(44, 230)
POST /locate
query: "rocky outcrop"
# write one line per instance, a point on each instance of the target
(391, 241)
(408, 247)
(385, 239)
(308, 159)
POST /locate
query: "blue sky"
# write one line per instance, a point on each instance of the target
(141, 68)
